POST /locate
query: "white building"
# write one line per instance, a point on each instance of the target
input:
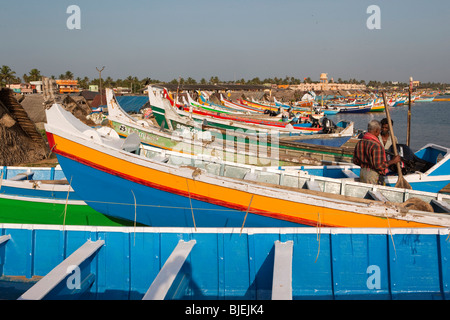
(37, 85)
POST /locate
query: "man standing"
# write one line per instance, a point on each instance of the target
(370, 155)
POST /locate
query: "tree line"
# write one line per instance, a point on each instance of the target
(8, 76)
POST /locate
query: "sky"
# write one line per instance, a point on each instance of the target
(230, 39)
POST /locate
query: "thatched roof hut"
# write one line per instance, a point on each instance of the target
(20, 141)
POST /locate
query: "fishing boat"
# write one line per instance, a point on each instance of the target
(327, 111)
(114, 178)
(236, 105)
(399, 102)
(343, 128)
(298, 107)
(52, 263)
(442, 97)
(378, 106)
(307, 107)
(428, 169)
(424, 99)
(42, 195)
(209, 106)
(190, 137)
(355, 108)
(193, 138)
(221, 121)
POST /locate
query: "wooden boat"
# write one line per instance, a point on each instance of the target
(209, 106)
(442, 97)
(301, 126)
(221, 121)
(399, 102)
(424, 99)
(192, 138)
(52, 263)
(239, 106)
(42, 195)
(378, 106)
(335, 138)
(300, 106)
(327, 111)
(428, 169)
(114, 179)
(355, 108)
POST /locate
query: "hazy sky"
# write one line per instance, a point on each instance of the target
(231, 39)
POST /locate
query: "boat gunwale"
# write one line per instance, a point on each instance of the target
(229, 230)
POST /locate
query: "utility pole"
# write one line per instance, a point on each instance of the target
(100, 76)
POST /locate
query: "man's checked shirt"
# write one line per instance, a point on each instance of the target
(369, 153)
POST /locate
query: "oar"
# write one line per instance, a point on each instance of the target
(401, 182)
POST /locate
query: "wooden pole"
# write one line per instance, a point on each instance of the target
(408, 130)
(100, 78)
(401, 182)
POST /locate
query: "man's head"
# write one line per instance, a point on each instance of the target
(385, 126)
(374, 127)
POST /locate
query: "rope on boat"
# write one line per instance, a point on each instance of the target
(390, 232)
(51, 151)
(135, 217)
(65, 206)
(190, 201)
(245, 218)
(319, 225)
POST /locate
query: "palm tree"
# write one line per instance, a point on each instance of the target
(191, 81)
(214, 80)
(136, 84)
(34, 75)
(68, 75)
(129, 80)
(108, 82)
(84, 83)
(6, 74)
(146, 81)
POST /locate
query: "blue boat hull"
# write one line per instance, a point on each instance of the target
(354, 110)
(224, 264)
(154, 207)
(334, 142)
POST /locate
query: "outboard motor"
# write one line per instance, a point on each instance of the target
(409, 161)
(327, 125)
(270, 112)
(314, 122)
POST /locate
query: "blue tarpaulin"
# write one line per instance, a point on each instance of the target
(132, 104)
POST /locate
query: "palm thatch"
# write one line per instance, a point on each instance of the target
(20, 141)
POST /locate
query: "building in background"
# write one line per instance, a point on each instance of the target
(37, 86)
(122, 90)
(325, 85)
(22, 88)
(67, 86)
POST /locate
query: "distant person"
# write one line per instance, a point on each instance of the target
(385, 135)
(370, 155)
(285, 115)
